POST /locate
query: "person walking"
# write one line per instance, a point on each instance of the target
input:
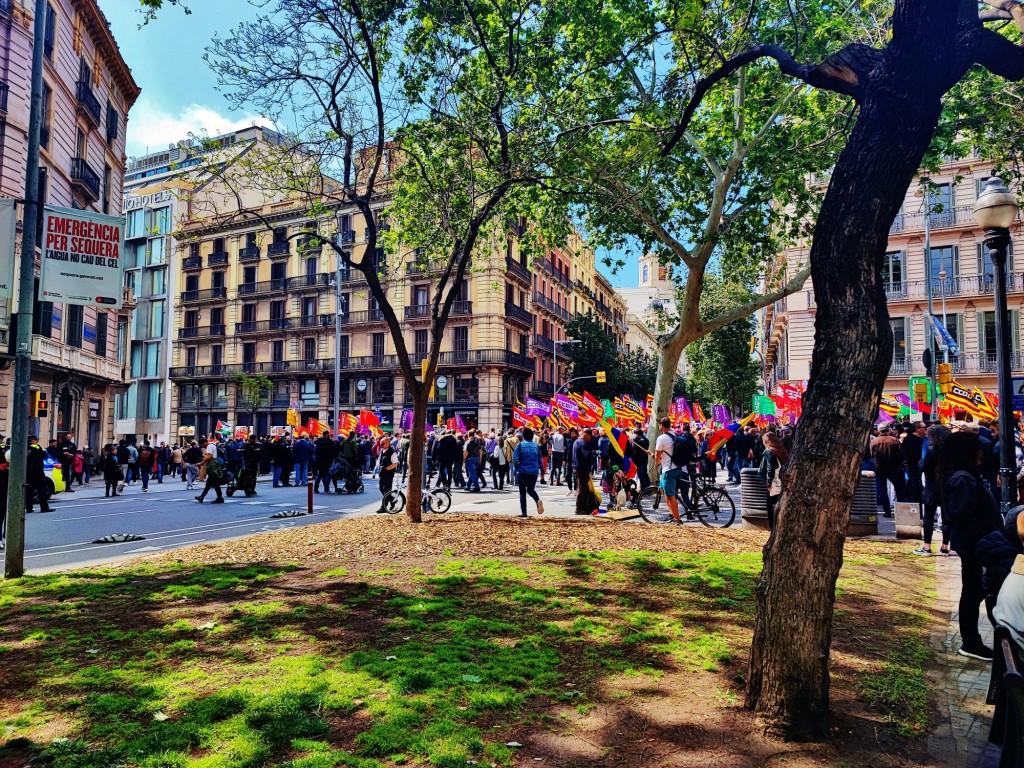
(971, 513)
(78, 468)
(147, 463)
(471, 456)
(111, 471)
(325, 451)
(912, 447)
(888, 459)
(302, 455)
(773, 460)
(89, 460)
(191, 457)
(557, 455)
(35, 477)
(215, 471)
(176, 462)
(932, 492)
(570, 461)
(526, 459)
(387, 466)
(67, 450)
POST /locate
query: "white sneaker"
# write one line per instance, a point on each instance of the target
(145, 490)
(540, 507)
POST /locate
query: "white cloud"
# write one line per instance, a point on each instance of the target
(151, 129)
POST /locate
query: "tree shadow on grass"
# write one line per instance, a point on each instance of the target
(245, 665)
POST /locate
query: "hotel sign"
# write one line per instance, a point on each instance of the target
(141, 201)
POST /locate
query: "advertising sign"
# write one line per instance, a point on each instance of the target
(81, 261)
(7, 235)
(279, 431)
(186, 431)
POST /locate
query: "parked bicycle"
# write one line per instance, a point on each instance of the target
(700, 500)
(433, 499)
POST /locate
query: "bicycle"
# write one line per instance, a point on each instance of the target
(436, 500)
(709, 503)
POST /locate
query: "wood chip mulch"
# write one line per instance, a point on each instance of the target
(469, 535)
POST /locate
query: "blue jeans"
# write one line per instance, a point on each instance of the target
(472, 481)
(275, 473)
(301, 473)
(144, 474)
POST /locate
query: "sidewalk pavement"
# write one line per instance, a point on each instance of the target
(961, 738)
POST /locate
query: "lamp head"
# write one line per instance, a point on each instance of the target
(996, 207)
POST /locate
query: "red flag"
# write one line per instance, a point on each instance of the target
(591, 403)
(347, 422)
(519, 418)
(316, 429)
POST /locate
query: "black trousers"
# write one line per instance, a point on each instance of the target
(971, 596)
(214, 484)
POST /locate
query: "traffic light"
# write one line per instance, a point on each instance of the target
(945, 377)
(39, 406)
(920, 391)
(601, 377)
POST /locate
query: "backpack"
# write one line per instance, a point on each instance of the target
(146, 457)
(684, 452)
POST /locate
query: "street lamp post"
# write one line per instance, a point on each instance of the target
(556, 377)
(995, 210)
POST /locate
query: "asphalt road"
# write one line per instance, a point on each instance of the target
(167, 517)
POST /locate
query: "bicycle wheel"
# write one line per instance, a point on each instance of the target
(649, 504)
(717, 509)
(440, 501)
(392, 503)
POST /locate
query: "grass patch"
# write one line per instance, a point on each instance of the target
(899, 689)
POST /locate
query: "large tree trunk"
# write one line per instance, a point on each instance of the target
(670, 350)
(417, 447)
(788, 682)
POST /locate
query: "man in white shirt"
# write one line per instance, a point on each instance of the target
(557, 455)
(669, 472)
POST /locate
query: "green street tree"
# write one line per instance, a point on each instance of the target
(721, 369)
(899, 87)
(253, 393)
(419, 119)
(595, 352)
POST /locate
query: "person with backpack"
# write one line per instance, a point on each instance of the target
(215, 471)
(666, 454)
(471, 457)
(111, 471)
(147, 464)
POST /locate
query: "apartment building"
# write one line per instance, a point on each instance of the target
(78, 353)
(959, 279)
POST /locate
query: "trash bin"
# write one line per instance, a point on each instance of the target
(864, 512)
(753, 499)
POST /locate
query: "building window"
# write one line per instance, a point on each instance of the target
(191, 355)
(122, 338)
(49, 32)
(249, 352)
(191, 318)
(310, 392)
(101, 334)
(217, 279)
(277, 310)
(946, 259)
(309, 307)
(309, 349)
(277, 351)
(106, 188)
(156, 318)
(985, 264)
(217, 316)
(73, 328)
(113, 119)
(249, 275)
(987, 342)
(152, 365)
(157, 279)
(44, 134)
(893, 272)
(343, 350)
(646, 275)
(900, 341)
(421, 344)
(278, 270)
(377, 344)
(42, 319)
(217, 354)
(460, 337)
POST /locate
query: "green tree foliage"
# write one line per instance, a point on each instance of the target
(253, 393)
(721, 368)
(595, 352)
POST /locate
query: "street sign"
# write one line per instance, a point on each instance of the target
(81, 258)
(8, 232)
(293, 418)
(601, 377)
(442, 382)
(1018, 393)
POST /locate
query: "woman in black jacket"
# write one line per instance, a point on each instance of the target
(931, 496)
(971, 512)
(773, 459)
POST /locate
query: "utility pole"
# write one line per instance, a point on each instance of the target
(929, 323)
(14, 557)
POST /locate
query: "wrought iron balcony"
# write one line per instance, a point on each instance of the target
(278, 249)
(204, 294)
(85, 179)
(316, 280)
(192, 262)
(364, 316)
(5, 90)
(546, 304)
(217, 258)
(543, 342)
(516, 269)
(275, 285)
(249, 253)
(417, 312)
(318, 321)
(518, 314)
(262, 326)
(201, 331)
(461, 308)
(88, 104)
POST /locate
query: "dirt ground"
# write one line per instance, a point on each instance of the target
(632, 657)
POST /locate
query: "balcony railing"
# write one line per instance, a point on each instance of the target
(316, 280)
(462, 308)
(514, 268)
(89, 105)
(545, 303)
(417, 311)
(204, 294)
(965, 363)
(192, 262)
(317, 321)
(965, 285)
(249, 253)
(603, 309)
(216, 258)
(85, 178)
(201, 331)
(306, 244)
(548, 345)
(542, 390)
(262, 326)
(513, 312)
(951, 217)
(275, 285)
(549, 266)
(364, 316)
(5, 90)
(278, 249)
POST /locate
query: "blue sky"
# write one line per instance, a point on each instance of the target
(179, 92)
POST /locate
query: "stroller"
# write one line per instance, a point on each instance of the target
(342, 471)
(244, 480)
